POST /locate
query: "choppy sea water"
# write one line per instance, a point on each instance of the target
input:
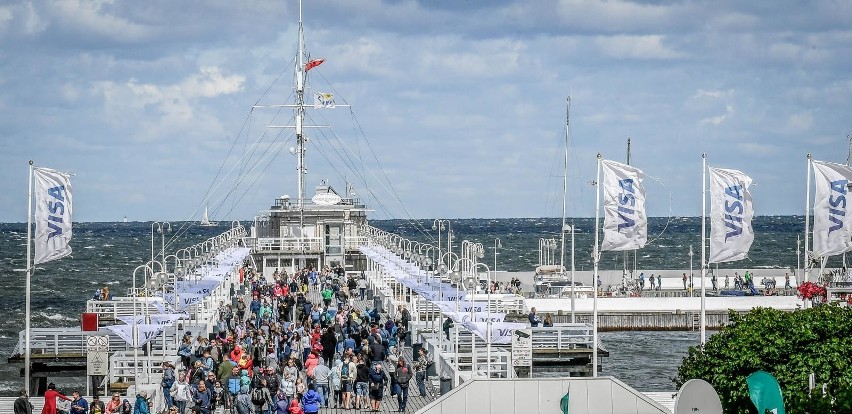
(105, 254)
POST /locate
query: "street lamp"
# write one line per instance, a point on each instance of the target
(136, 327)
(497, 244)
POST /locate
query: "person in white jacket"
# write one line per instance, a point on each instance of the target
(180, 392)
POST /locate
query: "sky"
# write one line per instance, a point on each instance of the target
(458, 108)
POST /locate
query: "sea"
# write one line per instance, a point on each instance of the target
(105, 254)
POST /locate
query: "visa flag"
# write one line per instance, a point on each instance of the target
(731, 212)
(832, 220)
(52, 214)
(625, 222)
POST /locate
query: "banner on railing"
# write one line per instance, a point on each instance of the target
(166, 319)
(202, 287)
(186, 299)
(460, 306)
(145, 333)
(501, 332)
(477, 317)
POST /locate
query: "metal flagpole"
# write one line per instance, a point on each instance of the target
(564, 208)
(30, 269)
(703, 247)
(596, 260)
(807, 222)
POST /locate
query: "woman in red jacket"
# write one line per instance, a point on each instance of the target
(50, 397)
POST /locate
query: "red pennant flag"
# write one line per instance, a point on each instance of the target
(313, 63)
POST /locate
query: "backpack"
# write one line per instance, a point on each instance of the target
(344, 371)
(257, 396)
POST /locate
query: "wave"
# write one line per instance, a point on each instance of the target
(56, 317)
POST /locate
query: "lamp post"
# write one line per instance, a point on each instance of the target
(135, 325)
(497, 243)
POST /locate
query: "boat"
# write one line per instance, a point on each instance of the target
(205, 220)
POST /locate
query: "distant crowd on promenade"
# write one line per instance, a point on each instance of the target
(279, 352)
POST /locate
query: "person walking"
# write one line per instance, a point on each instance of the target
(22, 404)
(420, 371)
(402, 376)
(50, 397)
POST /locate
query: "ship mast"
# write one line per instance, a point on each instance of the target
(300, 137)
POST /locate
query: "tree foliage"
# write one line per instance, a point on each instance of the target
(789, 345)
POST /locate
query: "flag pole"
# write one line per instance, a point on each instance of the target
(807, 265)
(29, 274)
(703, 247)
(596, 260)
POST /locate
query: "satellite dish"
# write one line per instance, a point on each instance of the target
(697, 396)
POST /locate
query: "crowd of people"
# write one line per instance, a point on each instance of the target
(297, 344)
(292, 344)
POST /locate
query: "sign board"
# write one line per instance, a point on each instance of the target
(522, 347)
(326, 199)
(97, 344)
(97, 363)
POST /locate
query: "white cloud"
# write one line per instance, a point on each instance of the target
(5, 17)
(717, 120)
(715, 94)
(800, 122)
(647, 47)
(92, 16)
(34, 23)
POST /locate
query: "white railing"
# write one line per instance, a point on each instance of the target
(121, 306)
(123, 369)
(295, 244)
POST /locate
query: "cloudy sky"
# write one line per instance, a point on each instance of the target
(458, 107)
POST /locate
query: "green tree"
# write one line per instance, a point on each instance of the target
(789, 345)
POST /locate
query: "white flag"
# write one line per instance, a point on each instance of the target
(625, 222)
(52, 215)
(731, 211)
(832, 220)
(323, 100)
(145, 333)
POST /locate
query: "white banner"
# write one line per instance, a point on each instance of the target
(625, 222)
(52, 215)
(832, 220)
(145, 333)
(203, 287)
(186, 299)
(157, 319)
(501, 332)
(477, 316)
(463, 306)
(731, 211)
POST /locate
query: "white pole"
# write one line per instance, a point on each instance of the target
(29, 275)
(596, 259)
(807, 222)
(564, 208)
(573, 315)
(703, 246)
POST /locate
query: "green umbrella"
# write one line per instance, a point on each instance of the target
(563, 404)
(765, 393)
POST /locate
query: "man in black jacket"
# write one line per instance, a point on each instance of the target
(23, 404)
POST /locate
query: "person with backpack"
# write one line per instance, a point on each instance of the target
(261, 398)
(167, 382)
(347, 380)
(378, 381)
(402, 376)
(243, 403)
